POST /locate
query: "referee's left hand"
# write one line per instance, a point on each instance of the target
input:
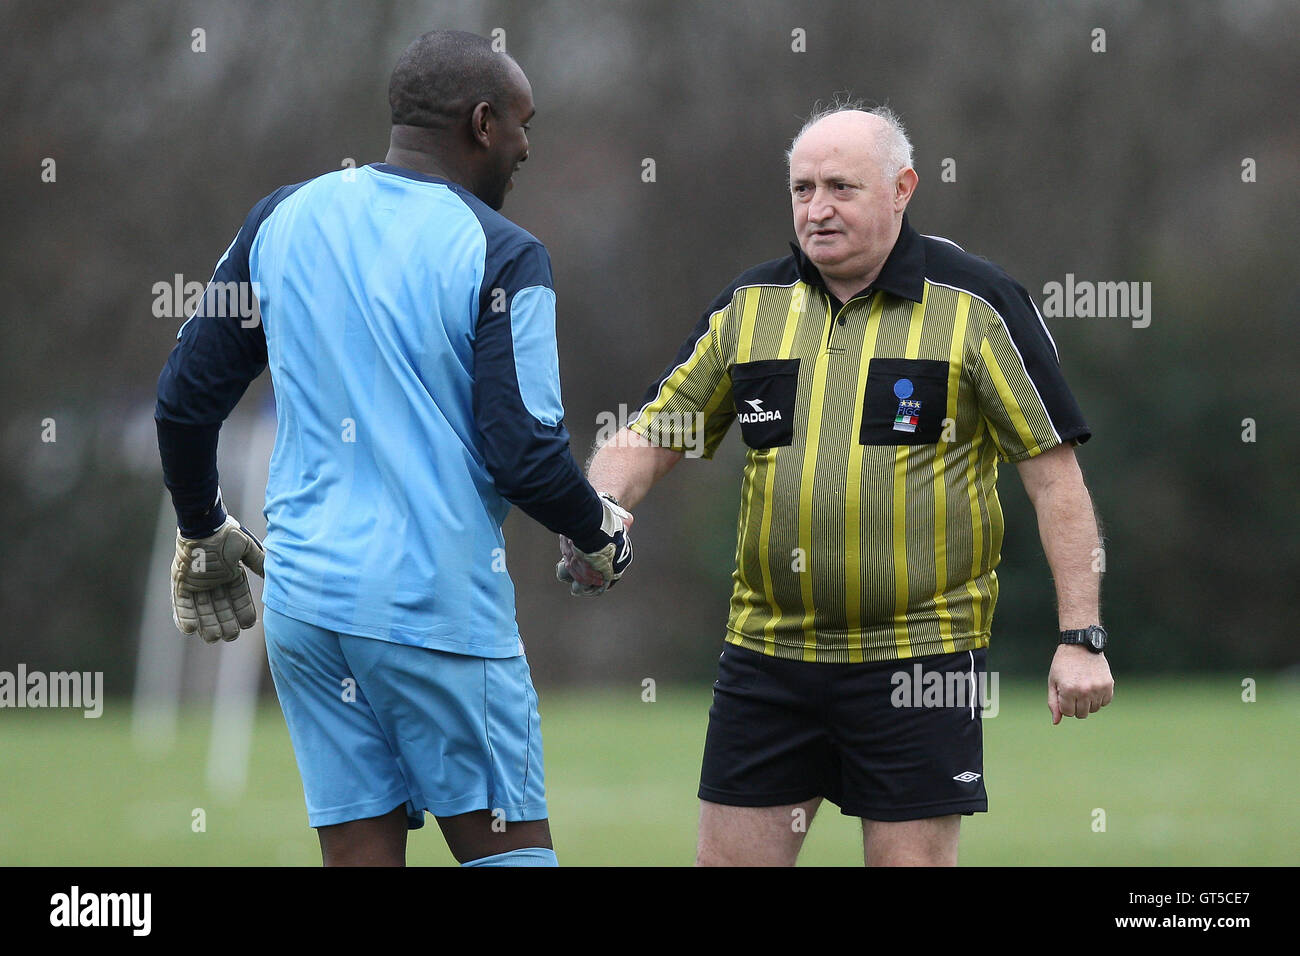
(1079, 683)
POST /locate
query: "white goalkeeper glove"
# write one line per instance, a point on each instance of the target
(209, 587)
(608, 559)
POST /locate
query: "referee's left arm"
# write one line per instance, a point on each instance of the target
(1079, 682)
(1035, 422)
(1067, 525)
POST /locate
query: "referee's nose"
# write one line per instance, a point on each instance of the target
(821, 208)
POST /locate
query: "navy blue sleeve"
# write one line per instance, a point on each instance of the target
(516, 396)
(221, 348)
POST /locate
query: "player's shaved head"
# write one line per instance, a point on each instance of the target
(460, 111)
(443, 74)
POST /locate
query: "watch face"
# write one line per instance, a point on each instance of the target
(1097, 638)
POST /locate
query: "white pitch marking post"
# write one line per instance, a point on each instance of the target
(161, 648)
(234, 706)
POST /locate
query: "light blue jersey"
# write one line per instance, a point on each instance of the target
(410, 334)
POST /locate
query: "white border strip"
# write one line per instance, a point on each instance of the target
(973, 691)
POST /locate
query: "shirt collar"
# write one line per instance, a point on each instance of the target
(411, 174)
(903, 273)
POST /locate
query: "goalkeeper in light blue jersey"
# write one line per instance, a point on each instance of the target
(410, 333)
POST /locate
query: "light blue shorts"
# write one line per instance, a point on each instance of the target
(376, 724)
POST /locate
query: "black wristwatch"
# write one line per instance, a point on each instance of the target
(1093, 638)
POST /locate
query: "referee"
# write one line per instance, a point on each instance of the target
(878, 377)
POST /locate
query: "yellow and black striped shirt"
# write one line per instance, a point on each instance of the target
(869, 520)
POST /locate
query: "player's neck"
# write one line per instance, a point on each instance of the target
(411, 147)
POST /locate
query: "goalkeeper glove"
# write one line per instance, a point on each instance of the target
(607, 555)
(209, 587)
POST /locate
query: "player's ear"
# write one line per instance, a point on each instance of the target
(480, 123)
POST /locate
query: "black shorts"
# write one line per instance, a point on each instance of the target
(883, 740)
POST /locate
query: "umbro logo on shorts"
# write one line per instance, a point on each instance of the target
(967, 776)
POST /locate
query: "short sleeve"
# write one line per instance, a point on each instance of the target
(689, 408)
(1020, 387)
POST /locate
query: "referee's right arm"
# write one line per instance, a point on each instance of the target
(628, 465)
(689, 407)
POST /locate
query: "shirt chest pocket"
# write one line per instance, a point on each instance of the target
(764, 394)
(905, 402)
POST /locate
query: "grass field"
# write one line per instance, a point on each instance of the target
(1185, 772)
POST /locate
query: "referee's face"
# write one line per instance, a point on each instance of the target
(846, 211)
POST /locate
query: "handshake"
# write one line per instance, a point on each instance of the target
(590, 572)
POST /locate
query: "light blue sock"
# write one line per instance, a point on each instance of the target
(527, 856)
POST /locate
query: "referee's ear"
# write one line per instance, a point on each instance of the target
(904, 186)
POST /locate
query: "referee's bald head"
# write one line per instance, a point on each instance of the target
(443, 75)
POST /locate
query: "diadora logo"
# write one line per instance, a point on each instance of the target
(759, 414)
(967, 776)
